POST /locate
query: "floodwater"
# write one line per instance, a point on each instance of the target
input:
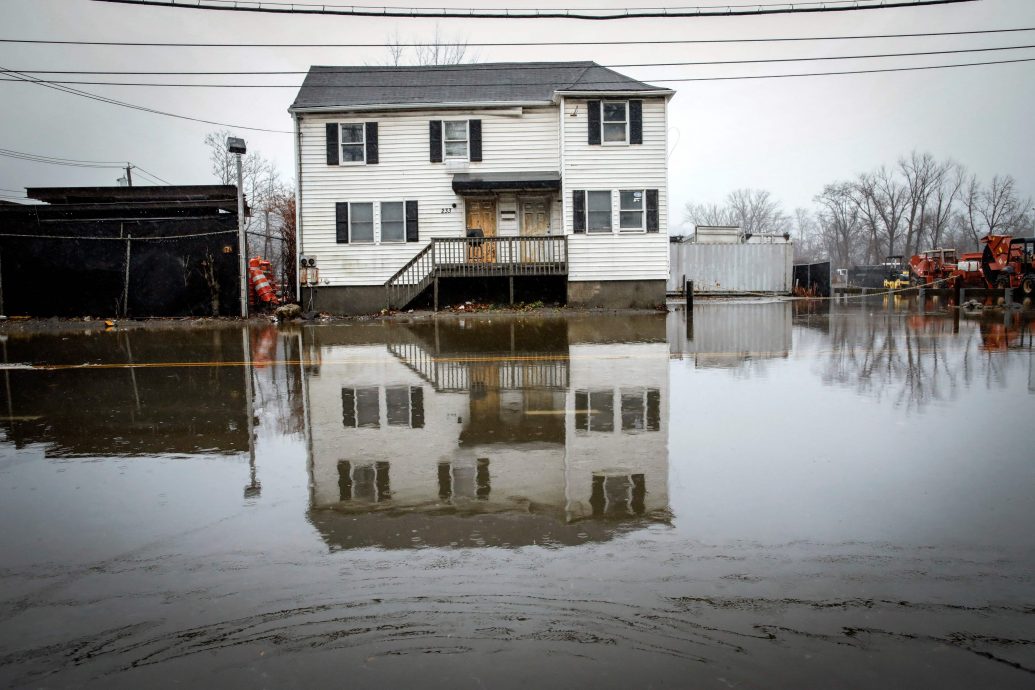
(769, 496)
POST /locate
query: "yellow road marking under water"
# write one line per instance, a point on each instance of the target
(88, 366)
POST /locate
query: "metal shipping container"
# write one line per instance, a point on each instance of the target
(731, 267)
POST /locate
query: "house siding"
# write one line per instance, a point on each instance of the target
(510, 142)
(617, 256)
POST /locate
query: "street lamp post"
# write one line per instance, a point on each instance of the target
(237, 147)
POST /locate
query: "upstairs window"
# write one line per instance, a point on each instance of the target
(352, 136)
(455, 140)
(616, 122)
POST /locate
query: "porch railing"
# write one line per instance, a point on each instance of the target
(476, 257)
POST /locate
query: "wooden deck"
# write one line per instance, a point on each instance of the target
(477, 257)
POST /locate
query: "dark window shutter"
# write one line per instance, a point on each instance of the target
(653, 409)
(417, 407)
(341, 222)
(412, 235)
(635, 122)
(371, 143)
(652, 210)
(348, 407)
(578, 210)
(435, 140)
(593, 109)
(475, 132)
(332, 143)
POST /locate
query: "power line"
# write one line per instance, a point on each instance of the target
(595, 82)
(509, 44)
(480, 68)
(54, 159)
(597, 14)
(75, 163)
(36, 159)
(133, 106)
(151, 175)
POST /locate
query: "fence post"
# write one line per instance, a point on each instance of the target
(689, 288)
(125, 282)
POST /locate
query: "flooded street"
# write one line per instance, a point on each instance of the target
(769, 495)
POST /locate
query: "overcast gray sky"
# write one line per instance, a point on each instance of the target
(790, 136)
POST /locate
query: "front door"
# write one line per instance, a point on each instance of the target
(535, 222)
(481, 215)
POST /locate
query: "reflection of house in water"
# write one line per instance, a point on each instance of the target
(108, 409)
(479, 431)
(727, 334)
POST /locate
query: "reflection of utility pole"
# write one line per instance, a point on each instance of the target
(236, 146)
(254, 488)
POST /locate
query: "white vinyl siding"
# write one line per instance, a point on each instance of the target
(630, 255)
(613, 256)
(510, 141)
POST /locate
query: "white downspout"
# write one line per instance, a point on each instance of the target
(298, 208)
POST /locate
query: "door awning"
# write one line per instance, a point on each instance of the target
(506, 182)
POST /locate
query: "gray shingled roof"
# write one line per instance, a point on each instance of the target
(498, 82)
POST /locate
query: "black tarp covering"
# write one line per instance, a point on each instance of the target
(817, 275)
(70, 260)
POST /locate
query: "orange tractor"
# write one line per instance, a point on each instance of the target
(1009, 262)
(933, 267)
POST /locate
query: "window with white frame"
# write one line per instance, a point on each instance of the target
(454, 143)
(630, 210)
(393, 221)
(616, 122)
(353, 142)
(598, 211)
(361, 223)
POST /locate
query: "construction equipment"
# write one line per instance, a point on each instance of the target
(1009, 262)
(897, 272)
(932, 267)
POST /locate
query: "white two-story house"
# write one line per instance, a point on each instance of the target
(408, 176)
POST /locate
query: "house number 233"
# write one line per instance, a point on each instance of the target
(445, 209)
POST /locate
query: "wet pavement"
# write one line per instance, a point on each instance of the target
(769, 495)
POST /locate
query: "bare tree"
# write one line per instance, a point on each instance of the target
(439, 50)
(808, 239)
(839, 224)
(922, 174)
(707, 214)
(938, 211)
(263, 190)
(864, 195)
(755, 211)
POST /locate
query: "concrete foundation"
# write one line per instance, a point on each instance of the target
(605, 294)
(617, 294)
(352, 300)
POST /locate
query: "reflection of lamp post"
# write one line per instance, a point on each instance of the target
(236, 146)
(254, 488)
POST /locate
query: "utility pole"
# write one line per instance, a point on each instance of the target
(236, 146)
(129, 175)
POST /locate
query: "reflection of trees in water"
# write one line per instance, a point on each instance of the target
(910, 360)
